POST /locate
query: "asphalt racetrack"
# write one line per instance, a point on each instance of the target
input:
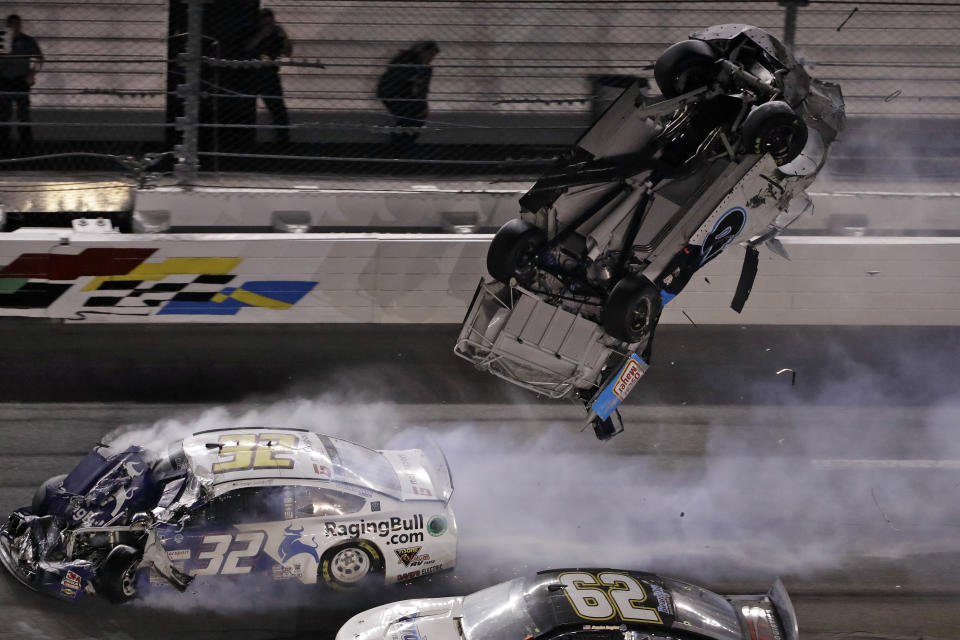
(843, 480)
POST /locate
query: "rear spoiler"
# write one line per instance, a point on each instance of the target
(784, 607)
(439, 469)
(432, 458)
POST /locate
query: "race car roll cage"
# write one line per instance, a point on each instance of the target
(588, 171)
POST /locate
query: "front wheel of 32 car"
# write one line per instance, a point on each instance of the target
(350, 565)
(117, 580)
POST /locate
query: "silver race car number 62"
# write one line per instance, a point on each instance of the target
(601, 596)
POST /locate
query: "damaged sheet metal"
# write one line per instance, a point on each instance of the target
(283, 504)
(651, 193)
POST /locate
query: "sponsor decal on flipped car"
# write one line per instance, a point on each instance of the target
(620, 387)
(393, 530)
(628, 378)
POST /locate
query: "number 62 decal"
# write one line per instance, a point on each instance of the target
(607, 595)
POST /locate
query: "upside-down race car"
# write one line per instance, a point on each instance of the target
(288, 504)
(653, 191)
(583, 604)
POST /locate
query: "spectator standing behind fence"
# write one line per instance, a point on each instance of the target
(403, 89)
(269, 43)
(18, 71)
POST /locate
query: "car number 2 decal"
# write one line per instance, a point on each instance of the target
(240, 452)
(226, 561)
(728, 227)
(607, 595)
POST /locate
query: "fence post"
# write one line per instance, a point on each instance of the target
(790, 20)
(188, 162)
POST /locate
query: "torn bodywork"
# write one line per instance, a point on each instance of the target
(654, 190)
(64, 543)
(276, 504)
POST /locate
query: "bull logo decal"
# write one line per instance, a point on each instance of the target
(292, 545)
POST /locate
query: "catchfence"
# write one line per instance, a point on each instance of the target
(146, 87)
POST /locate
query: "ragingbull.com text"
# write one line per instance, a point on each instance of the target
(396, 529)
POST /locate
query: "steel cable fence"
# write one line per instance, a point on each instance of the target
(511, 83)
(88, 76)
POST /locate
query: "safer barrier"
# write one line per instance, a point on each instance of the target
(423, 278)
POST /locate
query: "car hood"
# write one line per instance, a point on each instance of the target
(419, 619)
(104, 488)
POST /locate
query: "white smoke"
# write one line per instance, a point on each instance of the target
(365, 423)
(740, 510)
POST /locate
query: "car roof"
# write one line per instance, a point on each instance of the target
(230, 455)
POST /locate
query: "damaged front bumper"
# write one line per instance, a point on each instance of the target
(44, 557)
(66, 579)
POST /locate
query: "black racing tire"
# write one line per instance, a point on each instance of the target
(774, 128)
(513, 251)
(38, 506)
(117, 579)
(350, 566)
(632, 310)
(684, 66)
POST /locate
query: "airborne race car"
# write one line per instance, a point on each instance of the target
(288, 504)
(650, 193)
(583, 604)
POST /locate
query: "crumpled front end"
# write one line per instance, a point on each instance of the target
(59, 545)
(104, 490)
(33, 550)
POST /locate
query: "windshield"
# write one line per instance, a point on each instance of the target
(498, 612)
(358, 465)
(703, 611)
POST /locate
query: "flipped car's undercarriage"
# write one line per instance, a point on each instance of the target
(650, 193)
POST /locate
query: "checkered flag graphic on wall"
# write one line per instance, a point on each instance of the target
(146, 293)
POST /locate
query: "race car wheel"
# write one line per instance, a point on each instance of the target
(117, 579)
(350, 565)
(774, 128)
(632, 309)
(683, 67)
(39, 505)
(513, 251)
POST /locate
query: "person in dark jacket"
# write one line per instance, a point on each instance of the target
(18, 71)
(269, 43)
(403, 89)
